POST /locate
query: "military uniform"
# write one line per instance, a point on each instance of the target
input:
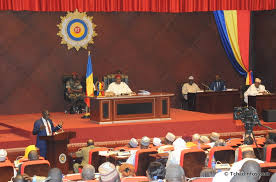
(84, 153)
(74, 97)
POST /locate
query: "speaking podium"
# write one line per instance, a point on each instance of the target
(57, 152)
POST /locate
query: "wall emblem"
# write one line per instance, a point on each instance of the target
(76, 30)
(62, 158)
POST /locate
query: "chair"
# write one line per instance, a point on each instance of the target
(224, 154)
(271, 153)
(134, 179)
(256, 152)
(38, 167)
(109, 78)
(142, 160)
(95, 159)
(265, 167)
(192, 161)
(6, 170)
(201, 180)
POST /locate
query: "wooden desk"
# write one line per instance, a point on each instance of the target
(130, 108)
(262, 102)
(217, 102)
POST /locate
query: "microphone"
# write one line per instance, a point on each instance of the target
(206, 86)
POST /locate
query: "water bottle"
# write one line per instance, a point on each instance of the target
(213, 163)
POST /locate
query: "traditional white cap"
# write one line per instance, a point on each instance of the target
(156, 141)
(204, 139)
(170, 137)
(258, 80)
(195, 137)
(179, 144)
(145, 141)
(3, 155)
(108, 172)
(215, 136)
(191, 78)
(133, 143)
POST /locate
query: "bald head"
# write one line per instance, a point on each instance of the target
(18, 178)
(252, 167)
(90, 142)
(55, 175)
(33, 155)
(88, 172)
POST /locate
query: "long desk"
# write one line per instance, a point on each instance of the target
(105, 110)
(217, 102)
(262, 102)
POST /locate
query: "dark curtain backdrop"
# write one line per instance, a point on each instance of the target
(157, 50)
(265, 47)
(173, 6)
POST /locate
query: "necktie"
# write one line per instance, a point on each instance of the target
(49, 127)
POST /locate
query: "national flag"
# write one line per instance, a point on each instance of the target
(89, 81)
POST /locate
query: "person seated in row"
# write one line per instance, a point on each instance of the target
(144, 144)
(255, 89)
(118, 88)
(190, 88)
(108, 173)
(127, 170)
(156, 142)
(84, 154)
(132, 143)
(214, 137)
(75, 93)
(174, 157)
(175, 173)
(194, 142)
(218, 84)
(3, 155)
(156, 171)
(88, 172)
(168, 142)
(54, 175)
(32, 156)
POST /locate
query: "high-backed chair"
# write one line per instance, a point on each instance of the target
(37, 167)
(192, 161)
(6, 170)
(95, 159)
(271, 153)
(224, 154)
(265, 170)
(142, 160)
(108, 79)
(134, 179)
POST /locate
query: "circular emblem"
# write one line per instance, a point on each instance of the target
(76, 30)
(62, 158)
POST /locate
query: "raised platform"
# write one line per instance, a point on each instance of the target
(16, 130)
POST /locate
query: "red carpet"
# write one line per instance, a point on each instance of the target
(16, 130)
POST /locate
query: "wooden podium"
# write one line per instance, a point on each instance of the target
(57, 152)
(262, 102)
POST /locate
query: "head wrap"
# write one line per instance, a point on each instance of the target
(170, 137)
(145, 141)
(108, 172)
(133, 143)
(3, 155)
(156, 141)
(204, 139)
(258, 80)
(75, 73)
(215, 136)
(118, 76)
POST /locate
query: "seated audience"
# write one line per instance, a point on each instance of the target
(252, 167)
(84, 153)
(156, 171)
(205, 173)
(175, 173)
(133, 143)
(144, 144)
(213, 138)
(204, 140)
(108, 173)
(19, 178)
(3, 155)
(220, 143)
(54, 175)
(168, 141)
(174, 157)
(127, 170)
(88, 172)
(32, 156)
(156, 141)
(194, 142)
(273, 178)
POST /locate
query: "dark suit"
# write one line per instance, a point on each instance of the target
(41, 144)
(218, 85)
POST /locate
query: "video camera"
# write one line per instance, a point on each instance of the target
(248, 115)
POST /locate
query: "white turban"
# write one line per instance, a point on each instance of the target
(156, 141)
(258, 80)
(179, 144)
(133, 143)
(3, 155)
(191, 77)
(170, 137)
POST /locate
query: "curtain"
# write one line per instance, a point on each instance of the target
(172, 6)
(234, 29)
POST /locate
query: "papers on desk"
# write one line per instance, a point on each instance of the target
(117, 153)
(200, 91)
(143, 92)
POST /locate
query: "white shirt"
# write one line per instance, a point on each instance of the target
(119, 89)
(174, 156)
(187, 88)
(226, 176)
(131, 159)
(49, 133)
(253, 91)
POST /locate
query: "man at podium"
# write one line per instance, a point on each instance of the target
(118, 88)
(255, 89)
(44, 127)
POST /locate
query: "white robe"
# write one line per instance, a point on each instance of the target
(253, 91)
(119, 89)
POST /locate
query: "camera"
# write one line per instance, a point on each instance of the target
(248, 115)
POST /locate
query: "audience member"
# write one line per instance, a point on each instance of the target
(54, 175)
(156, 141)
(273, 178)
(133, 143)
(253, 168)
(127, 170)
(3, 155)
(84, 153)
(213, 138)
(168, 141)
(208, 173)
(156, 171)
(32, 156)
(204, 140)
(174, 157)
(19, 178)
(108, 173)
(144, 144)
(88, 172)
(175, 173)
(195, 138)
(220, 143)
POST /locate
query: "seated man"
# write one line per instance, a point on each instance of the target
(214, 138)
(218, 84)
(88, 172)
(168, 141)
(84, 153)
(3, 155)
(188, 91)
(108, 173)
(156, 171)
(118, 88)
(175, 173)
(194, 142)
(54, 175)
(32, 156)
(133, 143)
(127, 170)
(174, 157)
(255, 89)
(75, 94)
(156, 142)
(144, 144)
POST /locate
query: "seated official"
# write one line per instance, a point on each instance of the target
(168, 142)
(75, 93)
(118, 88)
(218, 84)
(84, 153)
(190, 88)
(255, 89)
